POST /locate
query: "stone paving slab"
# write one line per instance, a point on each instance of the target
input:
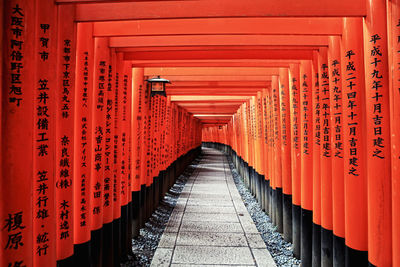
(210, 225)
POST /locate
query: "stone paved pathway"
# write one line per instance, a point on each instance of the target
(210, 225)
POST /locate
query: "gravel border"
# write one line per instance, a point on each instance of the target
(145, 245)
(281, 251)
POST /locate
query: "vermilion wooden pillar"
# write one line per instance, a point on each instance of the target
(136, 139)
(395, 126)
(125, 98)
(306, 159)
(316, 241)
(294, 84)
(17, 127)
(335, 95)
(284, 96)
(277, 153)
(118, 84)
(46, 209)
(83, 141)
(378, 135)
(64, 138)
(326, 162)
(101, 60)
(355, 182)
(266, 148)
(108, 215)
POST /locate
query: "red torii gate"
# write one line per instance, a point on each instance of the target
(230, 33)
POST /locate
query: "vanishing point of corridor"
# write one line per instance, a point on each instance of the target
(210, 225)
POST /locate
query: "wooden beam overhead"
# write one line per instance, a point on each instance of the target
(220, 26)
(106, 10)
(220, 40)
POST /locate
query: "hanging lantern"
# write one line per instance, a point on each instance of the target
(157, 85)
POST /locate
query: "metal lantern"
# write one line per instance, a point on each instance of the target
(157, 85)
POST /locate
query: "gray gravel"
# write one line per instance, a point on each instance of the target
(280, 250)
(144, 246)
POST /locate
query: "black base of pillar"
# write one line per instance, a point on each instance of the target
(124, 233)
(66, 262)
(356, 258)
(326, 247)
(279, 209)
(287, 217)
(296, 230)
(273, 206)
(135, 213)
(96, 247)
(316, 245)
(108, 256)
(338, 251)
(142, 213)
(117, 241)
(306, 238)
(82, 255)
(268, 197)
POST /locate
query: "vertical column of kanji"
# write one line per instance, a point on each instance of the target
(83, 141)
(335, 89)
(395, 126)
(254, 143)
(286, 157)
(157, 150)
(270, 155)
(249, 146)
(272, 208)
(44, 124)
(136, 139)
(250, 119)
(108, 257)
(266, 149)
(126, 138)
(65, 96)
(306, 158)
(378, 135)
(17, 134)
(316, 174)
(163, 141)
(116, 142)
(245, 143)
(355, 182)
(149, 178)
(260, 148)
(296, 163)
(168, 137)
(326, 161)
(122, 156)
(277, 153)
(101, 58)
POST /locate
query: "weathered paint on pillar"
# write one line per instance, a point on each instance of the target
(378, 134)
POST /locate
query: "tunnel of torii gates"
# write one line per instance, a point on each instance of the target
(304, 95)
